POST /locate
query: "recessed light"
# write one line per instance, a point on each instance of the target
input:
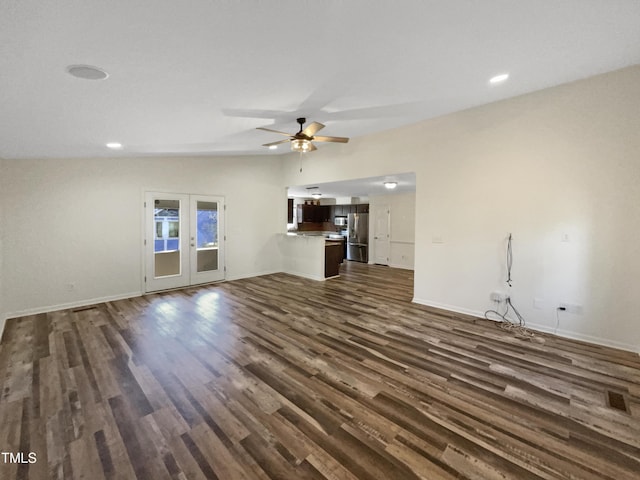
(87, 72)
(390, 185)
(316, 194)
(273, 147)
(114, 145)
(499, 78)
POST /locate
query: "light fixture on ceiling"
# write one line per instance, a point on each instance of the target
(273, 147)
(316, 195)
(87, 72)
(499, 78)
(300, 145)
(114, 145)
(390, 185)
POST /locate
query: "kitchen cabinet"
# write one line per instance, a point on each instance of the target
(324, 213)
(314, 213)
(289, 210)
(332, 258)
(362, 208)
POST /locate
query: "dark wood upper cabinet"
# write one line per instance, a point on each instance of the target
(314, 213)
(289, 210)
(327, 213)
(324, 213)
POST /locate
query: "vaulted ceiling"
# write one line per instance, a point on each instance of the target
(198, 77)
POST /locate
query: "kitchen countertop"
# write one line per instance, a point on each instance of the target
(327, 235)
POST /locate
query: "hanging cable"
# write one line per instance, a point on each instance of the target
(509, 260)
(519, 326)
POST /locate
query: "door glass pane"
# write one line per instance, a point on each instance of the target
(166, 246)
(207, 236)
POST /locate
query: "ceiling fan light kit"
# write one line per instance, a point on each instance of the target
(302, 141)
(300, 145)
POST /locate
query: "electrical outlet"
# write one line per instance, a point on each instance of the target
(571, 308)
(498, 296)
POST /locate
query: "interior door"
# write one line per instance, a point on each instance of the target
(184, 241)
(206, 240)
(381, 240)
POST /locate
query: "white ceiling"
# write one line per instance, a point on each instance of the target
(362, 187)
(198, 77)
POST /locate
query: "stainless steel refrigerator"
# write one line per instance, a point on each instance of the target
(358, 237)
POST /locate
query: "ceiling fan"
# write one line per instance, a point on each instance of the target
(301, 141)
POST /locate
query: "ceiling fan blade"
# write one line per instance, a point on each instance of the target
(312, 129)
(312, 148)
(331, 139)
(273, 131)
(275, 143)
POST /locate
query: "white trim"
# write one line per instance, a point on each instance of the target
(3, 320)
(403, 267)
(540, 328)
(65, 306)
(230, 278)
(304, 275)
(585, 338)
(449, 308)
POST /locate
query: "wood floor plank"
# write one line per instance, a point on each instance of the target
(283, 377)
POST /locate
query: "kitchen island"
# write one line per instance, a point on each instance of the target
(312, 255)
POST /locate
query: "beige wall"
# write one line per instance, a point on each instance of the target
(3, 228)
(557, 168)
(79, 221)
(401, 228)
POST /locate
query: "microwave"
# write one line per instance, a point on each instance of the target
(340, 221)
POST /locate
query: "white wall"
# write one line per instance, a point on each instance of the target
(557, 164)
(3, 187)
(401, 228)
(80, 221)
(303, 255)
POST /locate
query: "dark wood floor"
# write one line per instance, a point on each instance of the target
(278, 377)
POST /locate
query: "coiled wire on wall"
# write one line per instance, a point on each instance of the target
(519, 326)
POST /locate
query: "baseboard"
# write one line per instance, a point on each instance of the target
(3, 320)
(403, 267)
(93, 301)
(450, 308)
(65, 306)
(584, 338)
(537, 327)
(306, 275)
(250, 275)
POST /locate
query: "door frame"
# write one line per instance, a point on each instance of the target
(184, 279)
(376, 209)
(195, 277)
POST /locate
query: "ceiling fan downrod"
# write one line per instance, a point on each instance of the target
(301, 121)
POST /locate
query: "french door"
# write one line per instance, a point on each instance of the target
(184, 240)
